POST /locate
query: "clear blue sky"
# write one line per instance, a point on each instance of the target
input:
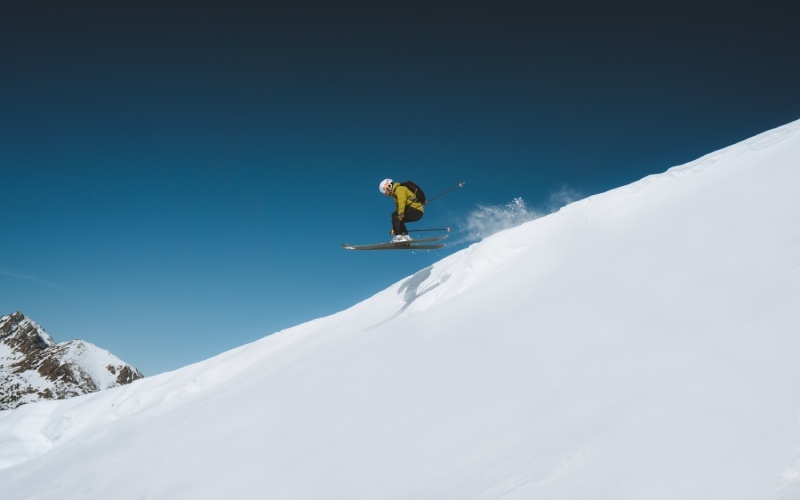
(177, 177)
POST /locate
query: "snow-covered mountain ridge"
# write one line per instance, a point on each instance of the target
(33, 367)
(641, 343)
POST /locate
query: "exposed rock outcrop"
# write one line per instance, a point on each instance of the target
(33, 367)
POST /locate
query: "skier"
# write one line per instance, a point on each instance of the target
(408, 208)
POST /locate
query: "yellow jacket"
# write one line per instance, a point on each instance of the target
(404, 197)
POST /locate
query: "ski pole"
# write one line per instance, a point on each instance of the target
(436, 229)
(460, 184)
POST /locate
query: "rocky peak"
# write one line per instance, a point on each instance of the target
(33, 367)
(23, 335)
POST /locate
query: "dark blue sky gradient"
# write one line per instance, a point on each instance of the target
(178, 176)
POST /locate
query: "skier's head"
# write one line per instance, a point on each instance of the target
(386, 187)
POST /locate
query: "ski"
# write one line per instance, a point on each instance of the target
(400, 245)
(392, 246)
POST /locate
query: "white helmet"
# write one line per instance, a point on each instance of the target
(385, 186)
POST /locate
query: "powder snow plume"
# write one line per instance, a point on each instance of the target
(485, 221)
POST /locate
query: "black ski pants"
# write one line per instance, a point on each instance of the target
(411, 215)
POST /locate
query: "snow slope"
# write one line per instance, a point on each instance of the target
(642, 343)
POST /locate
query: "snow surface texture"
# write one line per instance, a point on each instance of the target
(642, 343)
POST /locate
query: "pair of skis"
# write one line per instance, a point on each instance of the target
(420, 244)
